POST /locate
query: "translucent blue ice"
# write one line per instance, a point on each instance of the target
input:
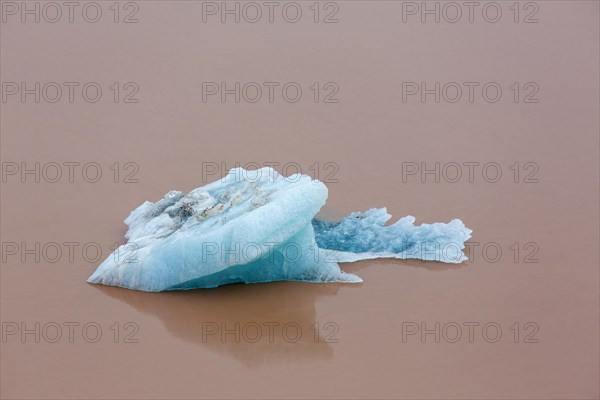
(363, 235)
(258, 226)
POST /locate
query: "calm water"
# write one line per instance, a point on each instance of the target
(355, 341)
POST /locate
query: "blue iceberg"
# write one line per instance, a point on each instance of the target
(259, 226)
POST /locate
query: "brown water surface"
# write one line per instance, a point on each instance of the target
(550, 287)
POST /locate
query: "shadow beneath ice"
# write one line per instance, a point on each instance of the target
(256, 324)
(274, 323)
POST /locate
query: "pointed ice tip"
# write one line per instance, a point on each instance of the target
(96, 277)
(409, 218)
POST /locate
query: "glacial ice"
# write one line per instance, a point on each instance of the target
(363, 235)
(259, 226)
